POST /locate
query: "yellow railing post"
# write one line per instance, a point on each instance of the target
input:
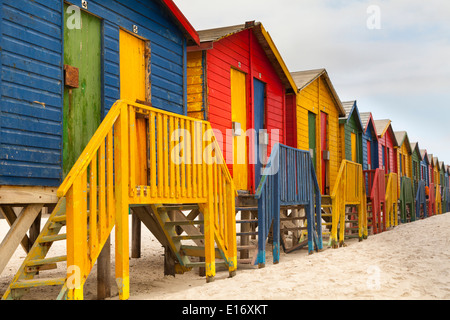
(121, 177)
(76, 240)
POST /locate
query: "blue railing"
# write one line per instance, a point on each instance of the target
(421, 199)
(288, 179)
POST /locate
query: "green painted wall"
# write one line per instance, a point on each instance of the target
(352, 126)
(82, 105)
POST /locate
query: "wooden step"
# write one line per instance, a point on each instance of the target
(238, 234)
(38, 283)
(294, 229)
(247, 221)
(196, 251)
(184, 223)
(246, 209)
(53, 238)
(202, 264)
(247, 247)
(183, 207)
(187, 237)
(39, 262)
(293, 218)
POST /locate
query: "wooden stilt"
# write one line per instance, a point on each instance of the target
(104, 272)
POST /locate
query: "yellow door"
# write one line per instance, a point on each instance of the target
(353, 136)
(133, 82)
(239, 117)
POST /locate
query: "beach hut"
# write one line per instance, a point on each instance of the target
(370, 142)
(374, 176)
(424, 167)
(419, 183)
(437, 185)
(387, 157)
(317, 111)
(405, 181)
(238, 81)
(387, 144)
(71, 77)
(351, 134)
(432, 187)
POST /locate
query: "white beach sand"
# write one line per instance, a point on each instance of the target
(411, 261)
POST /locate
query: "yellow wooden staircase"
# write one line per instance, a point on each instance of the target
(156, 162)
(348, 205)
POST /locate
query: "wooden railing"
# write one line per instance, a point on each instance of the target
(431, 200)
(376, 191)
(421, 200)
(138, 157)
(406, 198)
(438, 199)
(288, 179)
(391, 212)
(349, 189)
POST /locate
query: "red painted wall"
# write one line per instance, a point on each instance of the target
(291, 120)
(388, 142)
(243, 52)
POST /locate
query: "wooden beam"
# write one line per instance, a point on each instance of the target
(11, 217)
(17, 232)
(104, 272)
(13, 195)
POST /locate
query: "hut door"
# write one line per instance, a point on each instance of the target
(369, 156)
(261, 145)
(239, 119)
(82, 98)
(325, 155)
(312, 137)
(133, 87)
(354, 148)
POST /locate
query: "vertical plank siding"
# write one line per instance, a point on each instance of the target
(32, 79)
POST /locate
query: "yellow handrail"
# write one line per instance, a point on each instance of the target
(103, 183)
(349, 189)
(391, 216)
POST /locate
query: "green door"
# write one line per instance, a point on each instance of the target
(82, 104)
(312, 137)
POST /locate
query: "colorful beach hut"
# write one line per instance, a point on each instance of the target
(317, 111)
(437, 185)
(387, 144)
(370, 142)
(71, 77)
(419, 183)
(238, 81)
(405, 181)
(351, 133)
(424, 167)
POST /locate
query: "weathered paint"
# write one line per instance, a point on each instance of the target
(31, 115)
(259, 90)
(403, 152)
(82, 105)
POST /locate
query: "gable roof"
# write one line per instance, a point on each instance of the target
(350, 108)
(304, 78)
(402, 137)
(415, 148)
(182, 22)
(366, 119)
(264, 39)
(382, 126)
(430, 160)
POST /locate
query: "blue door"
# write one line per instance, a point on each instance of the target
(260, 148)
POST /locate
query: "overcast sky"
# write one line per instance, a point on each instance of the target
(393, 57)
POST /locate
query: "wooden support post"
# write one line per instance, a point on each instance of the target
(135, 236)
(17, 232)
(121, 157)
(104, 272)
(11, 217)
(169, 262)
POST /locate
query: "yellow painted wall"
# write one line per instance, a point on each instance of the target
(314, 98)
(195, 85)
(404, 156)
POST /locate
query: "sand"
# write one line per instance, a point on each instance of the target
(409, 262)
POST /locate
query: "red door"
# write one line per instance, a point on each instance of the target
(369, 156)
(324, 149)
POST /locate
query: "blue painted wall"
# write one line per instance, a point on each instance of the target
(31, 83)
(369, 135)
